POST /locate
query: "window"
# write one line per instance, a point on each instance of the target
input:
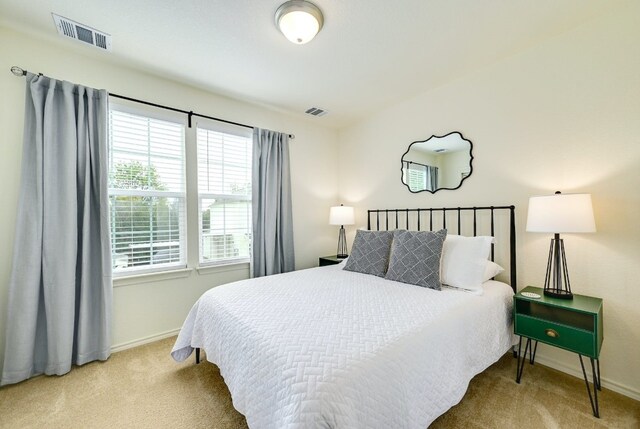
(420, 177)
(224, 196)
(416, 178)
(146, 192)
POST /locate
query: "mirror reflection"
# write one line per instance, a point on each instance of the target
(437, 163)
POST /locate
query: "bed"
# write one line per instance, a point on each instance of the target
(326, 347)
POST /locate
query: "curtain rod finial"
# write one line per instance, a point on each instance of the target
(18, 71)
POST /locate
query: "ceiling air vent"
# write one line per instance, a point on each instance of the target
(316, 111)
(84, 33)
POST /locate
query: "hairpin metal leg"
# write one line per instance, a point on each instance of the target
(599, 381)
(521, 362)
(532, 353)
(197, 355)
(592, 398)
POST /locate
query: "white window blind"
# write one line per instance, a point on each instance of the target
(224, 196)
(146, 192)
(415, 176)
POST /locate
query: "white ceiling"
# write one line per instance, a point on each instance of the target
(370, 53)
(450, 142)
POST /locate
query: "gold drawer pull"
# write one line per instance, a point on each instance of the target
(552, 333)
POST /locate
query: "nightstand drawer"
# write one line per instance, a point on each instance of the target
(567, 337)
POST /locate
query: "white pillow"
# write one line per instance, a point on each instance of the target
(464, 261)
(491, 271)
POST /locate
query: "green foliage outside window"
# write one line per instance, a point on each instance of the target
(141, 224)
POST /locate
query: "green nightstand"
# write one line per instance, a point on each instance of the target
(574, 325)
(329, 260)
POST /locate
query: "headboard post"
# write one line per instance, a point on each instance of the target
(512, 247)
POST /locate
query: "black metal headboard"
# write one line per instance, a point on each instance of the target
(472, 219)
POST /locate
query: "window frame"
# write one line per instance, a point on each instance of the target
(220, 127)
(161, 115)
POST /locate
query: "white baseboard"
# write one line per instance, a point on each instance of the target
(577, 372)
(150, 339)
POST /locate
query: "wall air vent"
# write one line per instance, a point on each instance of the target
(316, 111)
(84, 33)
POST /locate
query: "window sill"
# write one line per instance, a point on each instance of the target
(151, 277)
(221, 268)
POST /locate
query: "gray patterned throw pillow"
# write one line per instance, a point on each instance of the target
(415, 258)
(370, 252)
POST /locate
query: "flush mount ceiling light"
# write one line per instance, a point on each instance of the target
(299, 20)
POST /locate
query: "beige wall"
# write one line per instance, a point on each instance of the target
(562, 115)
(422, 157)
(453, 164)
(158, 305)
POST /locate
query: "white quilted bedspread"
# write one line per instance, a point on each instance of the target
(327, 348)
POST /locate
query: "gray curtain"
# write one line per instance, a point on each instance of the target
(431, 177)
(271, 202)
(59, 311)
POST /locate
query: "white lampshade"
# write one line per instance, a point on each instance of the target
(341, 215)
(561, 213)
(299, 21)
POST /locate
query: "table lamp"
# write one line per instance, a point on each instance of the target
(341, 215)
(559, 213)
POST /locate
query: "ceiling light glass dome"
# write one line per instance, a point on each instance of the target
(299, 21)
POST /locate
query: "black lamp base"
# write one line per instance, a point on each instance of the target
(342, 244)
(561, 294)
(557, 271)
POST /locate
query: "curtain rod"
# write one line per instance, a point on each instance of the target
(413, 162)
(22, 72)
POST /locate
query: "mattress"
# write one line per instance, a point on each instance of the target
(328, 348)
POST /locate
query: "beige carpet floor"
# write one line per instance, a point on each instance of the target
(145, 388)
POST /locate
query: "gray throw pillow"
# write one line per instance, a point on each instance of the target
(415, 258)
(370, 252)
